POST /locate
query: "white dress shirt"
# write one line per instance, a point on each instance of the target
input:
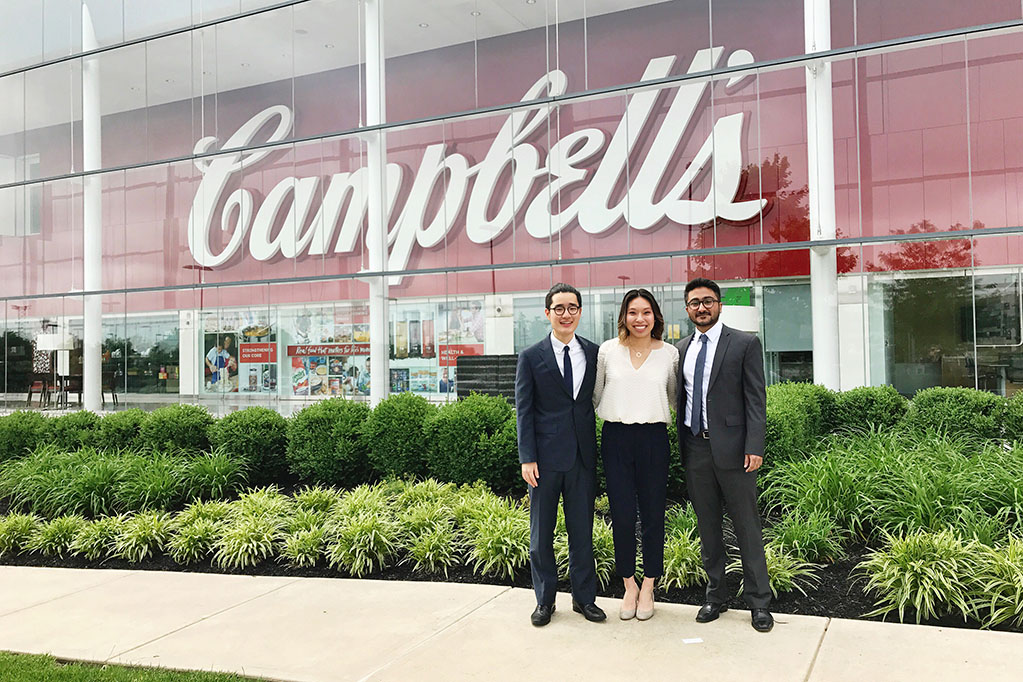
(575, 351)
(689, 369)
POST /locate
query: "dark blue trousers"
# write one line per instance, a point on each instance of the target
(578, 487)
(636, 465)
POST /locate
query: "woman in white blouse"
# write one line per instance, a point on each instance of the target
(633, 394)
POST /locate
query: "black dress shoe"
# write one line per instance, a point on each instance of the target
(710, 611)
(591, 612)
(762, 620)
(542, 614)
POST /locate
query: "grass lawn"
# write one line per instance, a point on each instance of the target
(27, 668)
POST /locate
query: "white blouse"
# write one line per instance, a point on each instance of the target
(635, 396)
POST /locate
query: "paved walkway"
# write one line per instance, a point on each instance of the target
(324, 629)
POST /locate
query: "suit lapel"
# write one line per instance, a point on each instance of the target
(719, 355)
(547, 355)
(591, 366)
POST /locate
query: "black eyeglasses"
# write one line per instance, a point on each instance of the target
(572, 310)
(705, 302)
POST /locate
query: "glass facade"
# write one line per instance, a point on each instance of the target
(669, 140)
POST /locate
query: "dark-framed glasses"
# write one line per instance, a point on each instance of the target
(572, 310)
(705, 302)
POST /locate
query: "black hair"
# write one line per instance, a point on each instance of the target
(632, 295)
(703, 283)
(561, 288)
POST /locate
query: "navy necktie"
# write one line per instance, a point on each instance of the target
(567, 371)
(696, 425)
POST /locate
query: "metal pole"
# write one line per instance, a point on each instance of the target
(92, 200)
(821, 160)
(376, 238)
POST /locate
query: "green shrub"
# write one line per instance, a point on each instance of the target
(881, 407)
(21, 432)
(394, 435)
(74, 430)
(15, 532)
(474, 439)
(933, 574)
(120, 430)
(324, 443)
(676, 470)
(798, 415)
(257, 436)
(963, 411)
(177, 428)
(1013, 418)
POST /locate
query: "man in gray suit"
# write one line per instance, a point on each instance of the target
(722, 414)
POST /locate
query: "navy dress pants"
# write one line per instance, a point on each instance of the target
(636, 465)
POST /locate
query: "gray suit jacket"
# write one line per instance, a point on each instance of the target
(736, 399)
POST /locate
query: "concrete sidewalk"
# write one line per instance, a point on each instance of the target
(326, 629)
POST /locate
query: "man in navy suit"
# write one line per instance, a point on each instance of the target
(558, 452)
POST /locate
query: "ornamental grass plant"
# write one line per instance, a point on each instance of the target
(15, 532)
(143, 536)
(786, 571)
(931, 574)
(97, 539)
(813, 537)
(54, 537)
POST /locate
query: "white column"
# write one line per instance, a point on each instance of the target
(92, 360)
(821, 159)
(376, 238)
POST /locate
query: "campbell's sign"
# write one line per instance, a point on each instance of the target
(311, 216)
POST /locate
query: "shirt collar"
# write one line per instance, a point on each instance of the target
(713, 334)
(558, 345)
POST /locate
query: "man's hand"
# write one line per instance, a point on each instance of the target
(530, 473)
(753, 462)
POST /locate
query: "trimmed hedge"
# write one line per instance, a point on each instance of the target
(325, 443)
(1014, 416)
(177, 428)
(962, 411)
(879, 407)
(75, 429)
(257, 435)
(21, 432)
(798, 415)
(120, 430)
(394, 435)
(474, 440)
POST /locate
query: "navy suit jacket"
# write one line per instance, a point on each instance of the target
(552, 426)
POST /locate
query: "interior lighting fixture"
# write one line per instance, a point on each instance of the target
(424, 25)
